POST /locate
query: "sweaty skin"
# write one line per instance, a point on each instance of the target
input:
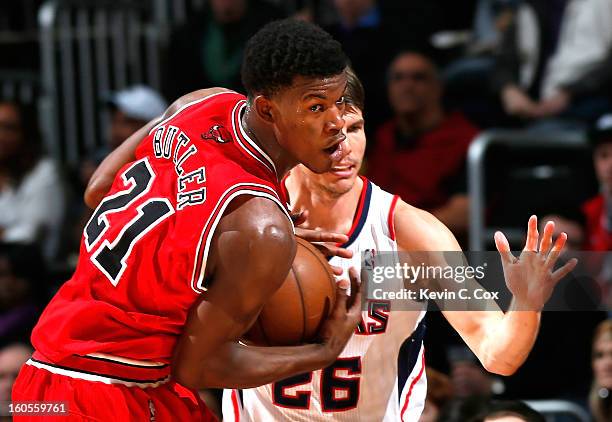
(208, 353)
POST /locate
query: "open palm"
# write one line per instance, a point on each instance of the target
(531, 277)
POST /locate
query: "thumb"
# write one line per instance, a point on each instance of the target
(341, 296)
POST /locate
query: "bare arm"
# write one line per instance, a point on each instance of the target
(501, 341)
(102, 179)
(251, 259)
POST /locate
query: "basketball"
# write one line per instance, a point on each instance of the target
(296, 311)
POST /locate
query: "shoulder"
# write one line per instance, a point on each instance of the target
(198, 95)
(257, 230)
(253, 247)
(419, 230)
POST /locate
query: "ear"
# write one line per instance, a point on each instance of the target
(264, 108)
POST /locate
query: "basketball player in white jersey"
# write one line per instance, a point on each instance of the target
(380, 375)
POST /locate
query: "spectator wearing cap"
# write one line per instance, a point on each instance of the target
(598, 210)
(131, 109)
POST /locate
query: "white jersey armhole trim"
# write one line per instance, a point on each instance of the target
(197, 280)
(391, 218)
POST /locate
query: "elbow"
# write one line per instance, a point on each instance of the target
(187, 377)
(96, 189)
(500, 367)
(197, 378)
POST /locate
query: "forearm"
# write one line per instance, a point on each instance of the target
(102, 179)
(235, 365)
(508, 342)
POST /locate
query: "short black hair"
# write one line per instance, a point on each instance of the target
(287, 48)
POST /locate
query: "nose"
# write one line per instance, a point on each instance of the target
(346, 146)
(336, 121)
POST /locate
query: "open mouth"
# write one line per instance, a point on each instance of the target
(342, 171)
(332, 149)
(336, 150)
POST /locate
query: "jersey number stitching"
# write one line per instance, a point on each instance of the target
(111, 258)
(331, 384)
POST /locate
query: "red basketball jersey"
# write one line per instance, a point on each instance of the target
(143, 253)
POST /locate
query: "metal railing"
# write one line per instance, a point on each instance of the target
(92, 47)
(22, 86)
(477, 177)
(88, 49)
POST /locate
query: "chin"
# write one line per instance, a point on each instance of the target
(340, 187)
(319, 166)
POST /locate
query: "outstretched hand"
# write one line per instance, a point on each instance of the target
(531, 277)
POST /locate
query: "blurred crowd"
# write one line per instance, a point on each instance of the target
(437, 73)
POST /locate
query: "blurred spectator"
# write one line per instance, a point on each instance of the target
(468, 377)
(131, 109)
(420, 153)
(598, 210)
(31, 189)
(553, 62)
(439, 393)
(570, 223)
(600, 400)
(22, 286)
(464, 76)
(367, 41)
(207, 50)
(462, 410)
(11, 359)
(509, 411)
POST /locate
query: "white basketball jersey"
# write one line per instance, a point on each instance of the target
(379, 376)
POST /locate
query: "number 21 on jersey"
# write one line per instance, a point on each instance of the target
(111, 255)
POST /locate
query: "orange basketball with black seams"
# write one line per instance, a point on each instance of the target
(297, 310)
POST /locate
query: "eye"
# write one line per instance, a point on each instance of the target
(353, 128)
(340, 101)
(316, 108)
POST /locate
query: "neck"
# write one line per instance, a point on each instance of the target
(419, 122)
(326, 210)
(266, 139)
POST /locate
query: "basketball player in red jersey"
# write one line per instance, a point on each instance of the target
(380, 374)
(192, 238)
